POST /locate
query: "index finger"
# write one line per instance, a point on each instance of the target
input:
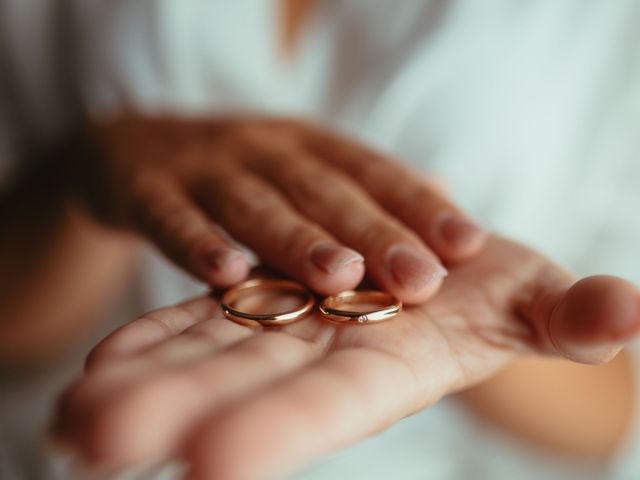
(154, 327)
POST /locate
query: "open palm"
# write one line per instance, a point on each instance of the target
(236, 403)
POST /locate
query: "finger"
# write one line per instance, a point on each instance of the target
(161, 341)
(415, 200)
(194, 344)
(588, 321)
(147, 421)
(258, 216)
(185, 234)
(153, 328)
(396, 259)
(326, 406)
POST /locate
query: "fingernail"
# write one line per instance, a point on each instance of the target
(330, 258)
(412, 268)
(221, 256)
(458, 231)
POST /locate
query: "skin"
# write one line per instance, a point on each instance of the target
(570, 411)
(291, 394)
(293, 16)
(311, 204)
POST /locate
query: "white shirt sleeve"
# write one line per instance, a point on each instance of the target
(34, 102)
(189, 56)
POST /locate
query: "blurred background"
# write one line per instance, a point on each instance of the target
(527, 111)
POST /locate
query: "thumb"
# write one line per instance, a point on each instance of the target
(590, 321)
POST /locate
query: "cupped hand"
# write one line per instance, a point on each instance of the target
(236, 403)
(311, 204)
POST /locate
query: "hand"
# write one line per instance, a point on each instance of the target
(237, 403)
(310, 204)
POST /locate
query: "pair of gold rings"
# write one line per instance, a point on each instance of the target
(380, 306)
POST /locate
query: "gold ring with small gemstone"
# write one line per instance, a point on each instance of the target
(335, 307)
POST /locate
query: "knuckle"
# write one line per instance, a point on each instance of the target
(258, 140)
(377, 236)
(312, 185)
(251, 202)
(423, 197)
(267, 209)
(420, 206)
(222, 333)
(297, 239)
(366, 166)
(172, 220)
(168, 218)
(316, 189)
(419, 196)
(194, 236)
(195, 244)
(168, 321)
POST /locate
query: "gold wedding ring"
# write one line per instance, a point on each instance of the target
(335, 307)
(260, 286)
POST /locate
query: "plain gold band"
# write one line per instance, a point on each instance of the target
(332, 308)
(257, 285)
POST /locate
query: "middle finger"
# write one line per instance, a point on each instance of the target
(395, 257)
